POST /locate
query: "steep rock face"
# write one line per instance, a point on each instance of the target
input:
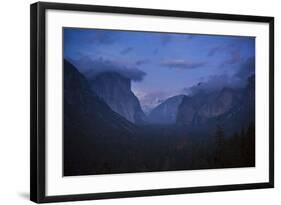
(222, 103)
(244, 111)
(84, 108)
(166, 112)
(90, 128)
(199, 108)
(115, 90)
(189, 107)
(218, 104)
(232, 108)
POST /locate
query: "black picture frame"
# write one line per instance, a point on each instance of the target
(38, 101)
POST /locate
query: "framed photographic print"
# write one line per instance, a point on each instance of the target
(129, 102)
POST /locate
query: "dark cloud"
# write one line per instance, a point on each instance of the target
(183, 64)
(155, 51)
(103, 37)
(165, 39)
(232, 52)
(214, 83)
(246, 69)
(217, 82)
(127, 50)
(190, 36)
(215, 50)
(142, 62)
(92, 67)
(229, 47)
(234, 57)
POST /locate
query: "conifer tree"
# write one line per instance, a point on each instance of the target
(219, 140)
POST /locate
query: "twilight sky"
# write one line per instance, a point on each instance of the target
(162, 65)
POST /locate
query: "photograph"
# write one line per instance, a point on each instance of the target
(145, 101)
(135, 102)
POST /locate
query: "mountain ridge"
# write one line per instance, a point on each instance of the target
(204, 110)
(166, 112)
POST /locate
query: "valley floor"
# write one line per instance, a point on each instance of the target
(161, 148)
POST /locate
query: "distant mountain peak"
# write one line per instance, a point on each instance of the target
(166, 112)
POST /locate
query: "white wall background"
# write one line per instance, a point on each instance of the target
(14, 101)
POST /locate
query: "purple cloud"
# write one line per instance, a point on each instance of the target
(103, 37)
(214, 83)
(183, 64)
(215, 50)
(142, 62)
(127, 50)
(234, 57)
(231, 49)
(165, 39)
(246, 69)
(239, 79)
(93, 67)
